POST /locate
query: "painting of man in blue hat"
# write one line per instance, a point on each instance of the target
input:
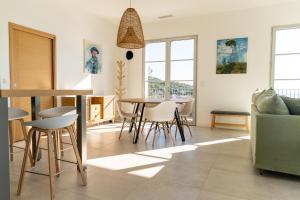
(92, 60)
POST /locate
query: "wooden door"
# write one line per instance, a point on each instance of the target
(32, 66)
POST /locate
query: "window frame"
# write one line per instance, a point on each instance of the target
(273, 50)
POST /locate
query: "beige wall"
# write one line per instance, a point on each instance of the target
(71, 27)
(228, 92)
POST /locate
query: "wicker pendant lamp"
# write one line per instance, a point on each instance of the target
(130, 34)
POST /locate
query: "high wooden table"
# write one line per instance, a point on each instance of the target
(35, 107)
(142, 102)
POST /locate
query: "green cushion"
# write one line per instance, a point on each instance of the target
(293, 105)
(256, 94)
(270, 103)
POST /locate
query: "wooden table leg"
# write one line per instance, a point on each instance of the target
(81, 129)
(135, 110)
(139, 126)
(4, 150)
(213, 121)
(179, 125)
(247, 123)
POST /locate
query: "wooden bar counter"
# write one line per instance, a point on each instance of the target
(35, 108)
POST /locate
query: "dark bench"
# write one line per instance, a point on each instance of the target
(220, 113)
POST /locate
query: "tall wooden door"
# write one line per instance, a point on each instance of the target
(32, 66)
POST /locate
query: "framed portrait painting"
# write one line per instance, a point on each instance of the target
(232, 56)
(92, 57)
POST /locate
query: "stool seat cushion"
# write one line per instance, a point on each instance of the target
(16, 113)
(293, 104)
(58, 111)
(221, 112)
(53, 123)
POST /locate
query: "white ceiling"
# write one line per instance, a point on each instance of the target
(150, 10)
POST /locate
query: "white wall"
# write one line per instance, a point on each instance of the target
(70, 26)
(228, 92)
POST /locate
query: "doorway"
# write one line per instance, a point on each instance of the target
(32, 66)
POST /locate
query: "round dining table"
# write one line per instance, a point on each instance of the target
(141, 103)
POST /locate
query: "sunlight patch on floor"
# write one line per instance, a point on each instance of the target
(217, 141)
(148, 172)
(167, 152)
(124, 161)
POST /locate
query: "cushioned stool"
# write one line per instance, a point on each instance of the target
(50, 127)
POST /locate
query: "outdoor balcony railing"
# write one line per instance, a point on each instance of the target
(293, 93)
(160, 93)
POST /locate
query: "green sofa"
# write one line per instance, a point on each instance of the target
(275, 139)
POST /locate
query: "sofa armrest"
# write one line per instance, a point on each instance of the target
(277, 140)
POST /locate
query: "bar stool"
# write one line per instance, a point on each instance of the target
(58, 112)
(17, 114)
(50, 127)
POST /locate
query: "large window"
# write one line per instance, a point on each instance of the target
(170, 68)
(286, 60)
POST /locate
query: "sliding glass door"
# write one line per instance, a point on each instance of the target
(170, 68)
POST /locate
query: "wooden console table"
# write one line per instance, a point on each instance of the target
(99, 108)
(35, 107)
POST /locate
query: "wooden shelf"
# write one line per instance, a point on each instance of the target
(99, 108)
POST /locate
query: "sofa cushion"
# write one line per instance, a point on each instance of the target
(256, 94)
(271, 103)
(293, 105)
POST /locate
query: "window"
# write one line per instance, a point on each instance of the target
(170, 68)
(286, 61)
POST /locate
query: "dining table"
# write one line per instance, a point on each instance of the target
(35, 95)
(140, 104)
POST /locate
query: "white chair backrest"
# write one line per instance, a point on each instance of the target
(161, 113)
(58, 111)
(54, 122)
(118, 105)
(187, 108)
(16, 113)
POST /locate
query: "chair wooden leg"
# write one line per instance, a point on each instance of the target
(79, 163)
(170, 135)
(61, 143)
(120, 135)
(155, 134)
(51, 164)
(149, 131)
(11, 141)
(56, 152)
(188, 126)
(26, 152)
(143, 127)
(164, 129)
(30, 156)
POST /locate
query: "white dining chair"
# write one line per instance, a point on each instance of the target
(49, 126)
(17, 114)
(127, 118)
(185, 110)
(57, 112)
(160, 116)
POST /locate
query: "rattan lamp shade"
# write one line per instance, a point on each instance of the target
(130, 34)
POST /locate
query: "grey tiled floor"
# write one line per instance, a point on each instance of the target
(212, 165)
